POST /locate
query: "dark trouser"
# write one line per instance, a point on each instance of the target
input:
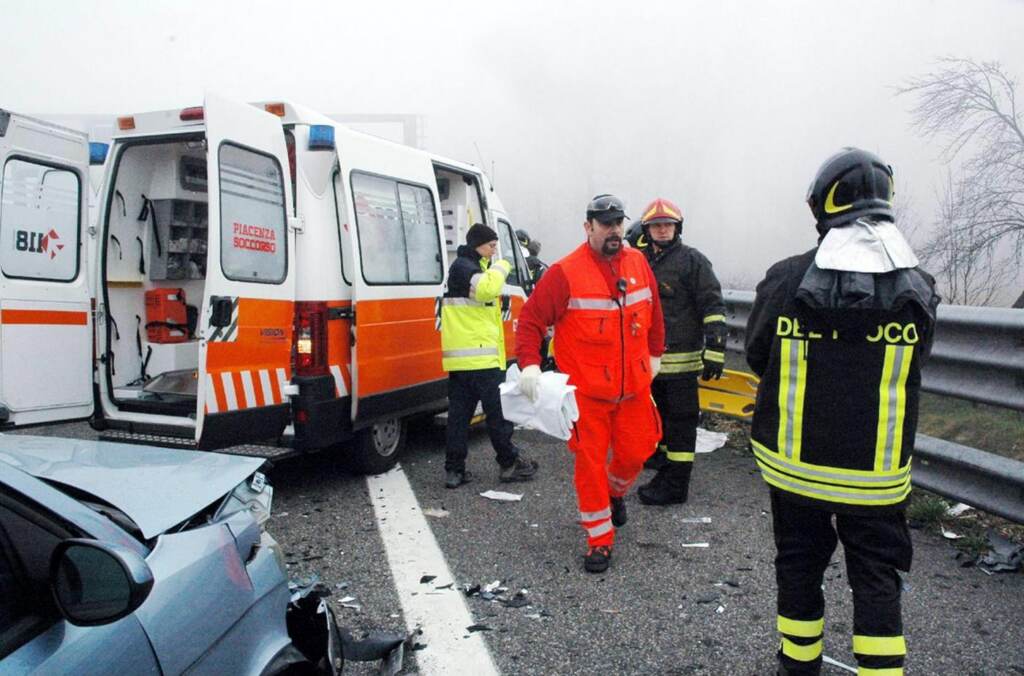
(876, 547)
(465, 389)
(679, 406)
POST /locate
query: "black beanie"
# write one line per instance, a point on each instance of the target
(480, 234)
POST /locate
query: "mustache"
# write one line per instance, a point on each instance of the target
(613, 238)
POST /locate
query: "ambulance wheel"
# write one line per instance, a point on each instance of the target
(377, 447)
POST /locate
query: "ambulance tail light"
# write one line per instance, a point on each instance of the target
(193, 114)
(126, 123)
(310, 338)
(275, 109)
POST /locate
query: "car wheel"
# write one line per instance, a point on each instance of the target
(377, 447)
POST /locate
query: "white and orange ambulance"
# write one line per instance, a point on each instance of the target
(261, 267)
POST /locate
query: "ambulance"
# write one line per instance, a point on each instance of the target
(262, 268)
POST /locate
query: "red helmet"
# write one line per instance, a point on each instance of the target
(662, 211)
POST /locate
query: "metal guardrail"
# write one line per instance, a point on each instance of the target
(978, 355)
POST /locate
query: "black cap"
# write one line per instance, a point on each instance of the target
(480, 234)
(606, 208)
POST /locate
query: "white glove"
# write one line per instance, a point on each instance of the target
(528, 380)
(655, 367)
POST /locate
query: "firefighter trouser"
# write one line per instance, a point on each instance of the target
(630, 428)
(465, 389)
(876, 547)
(679, 407)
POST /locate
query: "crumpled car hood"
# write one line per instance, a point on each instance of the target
(156, 487)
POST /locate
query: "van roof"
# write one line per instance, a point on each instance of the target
(190, 118)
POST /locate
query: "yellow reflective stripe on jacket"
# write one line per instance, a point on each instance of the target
(680, 456)
(892, 405)
(868, 493)
(711, 355)
(884, 671)
(792, 382)
(882, 646)
(824, 473)
(801, 628)
(681, 362)
(714, 318)
(802, 653)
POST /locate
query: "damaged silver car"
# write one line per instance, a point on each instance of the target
(124, 559)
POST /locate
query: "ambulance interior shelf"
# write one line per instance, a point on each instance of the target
(460, 205)
(177, 240)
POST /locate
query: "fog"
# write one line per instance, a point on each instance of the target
(727, 108)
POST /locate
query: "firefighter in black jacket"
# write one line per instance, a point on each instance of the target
(691, 301)
(838, 336)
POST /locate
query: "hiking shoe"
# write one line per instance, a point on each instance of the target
(454, 478)
(619, 517)
(522, 469)
(597, 559)
(663, 489)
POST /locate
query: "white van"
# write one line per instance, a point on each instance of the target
(261, 266)
(46, 352)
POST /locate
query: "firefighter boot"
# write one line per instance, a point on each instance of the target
(619, 516)
(670, 486)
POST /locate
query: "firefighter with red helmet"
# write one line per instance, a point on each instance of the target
(691, 301)
(602, 300)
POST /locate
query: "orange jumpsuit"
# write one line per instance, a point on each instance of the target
(608, 323)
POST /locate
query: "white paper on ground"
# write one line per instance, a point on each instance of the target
(708, 441)
(958, 509)
(501, 495)
(695, 544)
(697, 519)
(950, 535)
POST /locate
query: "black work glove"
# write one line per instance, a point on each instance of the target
(714, 350)
(714, 362)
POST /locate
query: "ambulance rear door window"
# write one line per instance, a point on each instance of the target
(253, 223)
(39, 221)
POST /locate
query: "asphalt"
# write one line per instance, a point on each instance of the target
(662, 608)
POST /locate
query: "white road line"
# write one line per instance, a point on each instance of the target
(413, 552)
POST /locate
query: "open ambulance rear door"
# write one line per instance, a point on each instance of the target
(247, 315)
(46, 335)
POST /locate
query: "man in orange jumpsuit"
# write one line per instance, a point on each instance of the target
(603, 301)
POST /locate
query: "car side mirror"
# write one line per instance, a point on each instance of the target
(97, 582)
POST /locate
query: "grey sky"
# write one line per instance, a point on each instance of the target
(725, 107)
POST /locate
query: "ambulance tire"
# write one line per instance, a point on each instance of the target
(376, 448)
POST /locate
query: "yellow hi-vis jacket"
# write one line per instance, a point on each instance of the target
(472, 333)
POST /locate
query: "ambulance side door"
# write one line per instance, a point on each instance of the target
(46, 324)
(397, 274)
(245, 354)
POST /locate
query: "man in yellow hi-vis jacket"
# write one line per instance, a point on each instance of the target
(473, 354)
(838, 335)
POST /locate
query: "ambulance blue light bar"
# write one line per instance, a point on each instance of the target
(321, 137)
(98, 152)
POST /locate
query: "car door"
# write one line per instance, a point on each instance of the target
(246, 321)
(45, 311)
(34, 638)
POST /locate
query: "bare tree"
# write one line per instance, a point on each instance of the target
(969, 271)
(972, 107)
